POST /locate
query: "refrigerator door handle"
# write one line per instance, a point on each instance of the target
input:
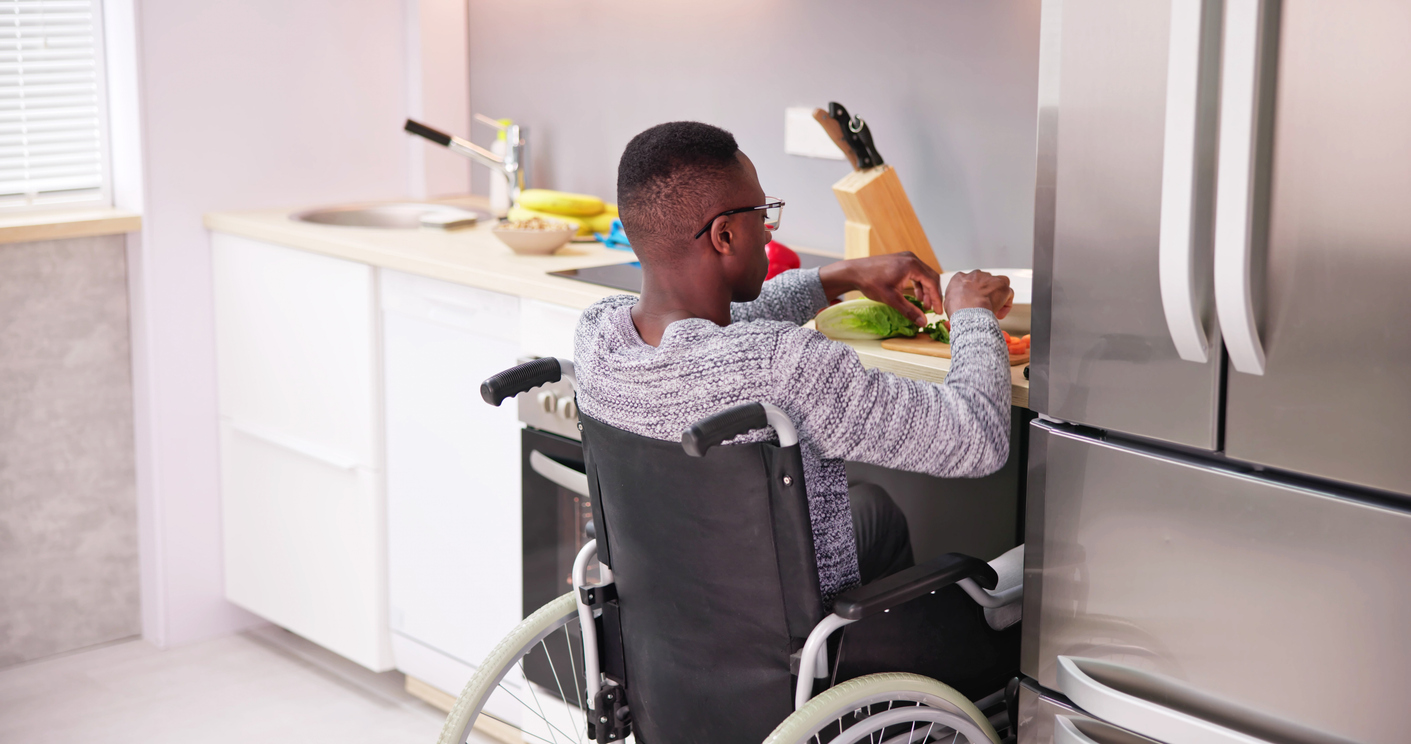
(1175, 256)
(1235, 179)
(1138, 714)
(1064, 732)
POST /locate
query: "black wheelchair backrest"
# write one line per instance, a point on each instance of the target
(716, 579)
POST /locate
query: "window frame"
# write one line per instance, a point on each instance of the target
(102, 197)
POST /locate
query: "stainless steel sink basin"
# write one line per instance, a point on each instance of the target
(395, 216)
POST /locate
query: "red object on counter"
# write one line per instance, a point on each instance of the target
(781, 259)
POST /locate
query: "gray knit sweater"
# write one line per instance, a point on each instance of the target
(842, 410)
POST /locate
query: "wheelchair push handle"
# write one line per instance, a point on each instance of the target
(734, 421)
(728, 424)
(527, 376)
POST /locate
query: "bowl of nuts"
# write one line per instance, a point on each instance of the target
(535, 236)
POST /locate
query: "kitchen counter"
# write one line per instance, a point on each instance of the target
(476, 258)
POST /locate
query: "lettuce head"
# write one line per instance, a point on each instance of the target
(860, 319)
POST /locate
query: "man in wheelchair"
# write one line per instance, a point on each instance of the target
(715, 581)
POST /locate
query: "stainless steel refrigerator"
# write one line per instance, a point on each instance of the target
(1219, 501)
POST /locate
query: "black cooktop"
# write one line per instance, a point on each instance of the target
(628, 276)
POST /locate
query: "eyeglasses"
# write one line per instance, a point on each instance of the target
(772, 211)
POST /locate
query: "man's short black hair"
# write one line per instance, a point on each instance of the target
(668, 176)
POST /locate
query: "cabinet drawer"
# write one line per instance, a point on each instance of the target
(303, 541)
(296, 345)
(487, 314)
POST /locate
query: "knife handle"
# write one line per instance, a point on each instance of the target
(865, 135)
(835, 133)
(855, 142)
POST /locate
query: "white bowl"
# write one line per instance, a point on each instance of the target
(534, 242)
(1022, 282)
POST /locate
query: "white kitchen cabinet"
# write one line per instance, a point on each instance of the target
(301, 479)
(546, 329)
(453, 475)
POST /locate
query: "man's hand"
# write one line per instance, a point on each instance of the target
(978, 289)
(886, 279)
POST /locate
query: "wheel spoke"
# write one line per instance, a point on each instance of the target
(559, 682)
(535, 694)
(531, 710)
(573, 668)
(520, 729)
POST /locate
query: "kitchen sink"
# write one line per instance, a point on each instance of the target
(394, 216)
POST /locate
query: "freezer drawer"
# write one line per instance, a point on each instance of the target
(1103, 352)
(1287, 605)
(1045, 719)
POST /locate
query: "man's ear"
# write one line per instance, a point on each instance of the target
(721, 239)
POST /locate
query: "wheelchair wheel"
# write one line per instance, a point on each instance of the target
(889, 708)
(543, 717)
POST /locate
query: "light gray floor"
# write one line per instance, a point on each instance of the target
(265, 685)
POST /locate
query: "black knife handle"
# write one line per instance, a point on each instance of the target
(854, 139)
(865, 134)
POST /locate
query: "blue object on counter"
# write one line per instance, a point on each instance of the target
(616, 238)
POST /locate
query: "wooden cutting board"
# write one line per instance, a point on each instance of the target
(923, 345)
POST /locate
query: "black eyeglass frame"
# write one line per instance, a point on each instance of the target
(741, 210)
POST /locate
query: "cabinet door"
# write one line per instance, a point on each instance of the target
(301, 499)
(303, 543)
(547, 329)
(452, 466)
(1332, 401)
(296, 345)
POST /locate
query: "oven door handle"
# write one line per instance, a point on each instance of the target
(558, 473)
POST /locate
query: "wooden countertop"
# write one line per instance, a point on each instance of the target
(64, 224)
(476, 258)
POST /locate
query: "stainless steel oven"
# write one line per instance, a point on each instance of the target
(555, 515)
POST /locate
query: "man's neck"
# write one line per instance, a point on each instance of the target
(679, 293)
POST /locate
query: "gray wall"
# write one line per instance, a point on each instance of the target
(949, 88)
(68, 521)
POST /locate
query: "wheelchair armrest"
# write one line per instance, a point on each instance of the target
(904, 586)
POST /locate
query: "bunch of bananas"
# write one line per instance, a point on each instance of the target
(589, 213)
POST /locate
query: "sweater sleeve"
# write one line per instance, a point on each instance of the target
(956, 429)
(794, 297)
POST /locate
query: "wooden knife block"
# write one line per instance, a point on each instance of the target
(879, 216)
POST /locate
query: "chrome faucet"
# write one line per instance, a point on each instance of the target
(513, 165)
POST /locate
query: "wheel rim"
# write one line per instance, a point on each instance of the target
(936, 720)
(861, 710)
(545, 713)
(912, 725)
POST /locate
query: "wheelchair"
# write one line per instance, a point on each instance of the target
(705, 622)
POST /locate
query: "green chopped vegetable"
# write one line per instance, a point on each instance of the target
(938, 332)
(860, 319)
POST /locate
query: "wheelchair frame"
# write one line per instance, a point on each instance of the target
(975, 577)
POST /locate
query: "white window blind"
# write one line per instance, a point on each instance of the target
(52, 117)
